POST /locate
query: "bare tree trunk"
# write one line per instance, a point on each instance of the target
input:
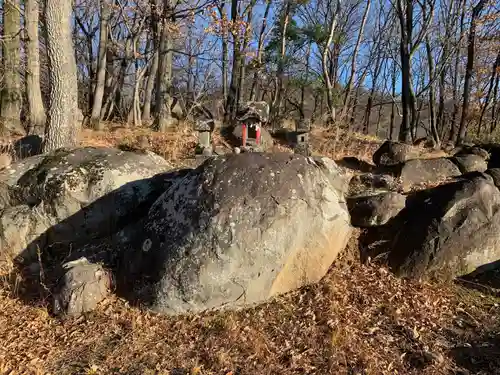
(61, 123)
(95, 115)
(153, 70)
(246, 41)
(352, 77)
(278, 95)
(369, 105)
(442, 77)
(37, 117)
(405, 15)
(324, 62)
(432, 94)
(471, 41)
(232, 96)
(494, 117)
(494, 73)
(225, 50)
(393, 105)
(150, 84)
(164, 77)
(453, 125)
(260, 52)
(11, 96)
(303, 88)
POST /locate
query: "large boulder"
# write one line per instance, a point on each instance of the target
(238, 230)
(419, 172)
(471, 150)
(470, 163)
(393, 153)
(73, 195)
(495, 175)
(449, 231)
(375, 210)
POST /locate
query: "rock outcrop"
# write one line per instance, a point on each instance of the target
(427, 171)
(238, 230)
(375, 210)
(393, 153)
(470, 163)
(72, 196)
(449, 231)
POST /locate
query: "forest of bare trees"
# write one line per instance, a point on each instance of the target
(399, 69)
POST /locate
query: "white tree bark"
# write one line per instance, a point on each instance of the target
(62, 126)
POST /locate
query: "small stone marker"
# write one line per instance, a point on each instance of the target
(302, 129)
(204, 129)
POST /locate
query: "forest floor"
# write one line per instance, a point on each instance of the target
(359, 319)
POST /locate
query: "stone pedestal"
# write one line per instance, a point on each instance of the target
(204, 129)
(302, 129)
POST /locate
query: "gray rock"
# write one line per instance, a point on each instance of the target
(71, 196)
(375, 210)
(83, 286)
(258, 110)
(495, 175)
(368, 182)
(238, 230)
(448, 231)
(27, 146)
(471, 150)
(470, 163)
(427, 171)
(392, 153)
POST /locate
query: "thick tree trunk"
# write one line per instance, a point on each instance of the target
(37, 117)
(11, 95)
(61, 122)
(100, 84)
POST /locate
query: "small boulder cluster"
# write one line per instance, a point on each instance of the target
(444, 211)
